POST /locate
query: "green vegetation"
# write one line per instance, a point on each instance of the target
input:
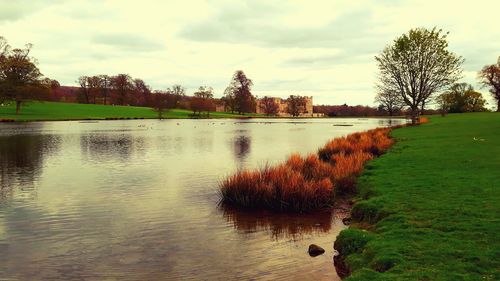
(33, 111)
(430, 208)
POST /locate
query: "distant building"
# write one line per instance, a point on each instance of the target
(283, 105)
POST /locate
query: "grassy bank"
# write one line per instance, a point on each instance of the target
(430, 208)
(34, 111)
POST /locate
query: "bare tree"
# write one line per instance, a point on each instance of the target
(416, 66)
(105, 87)
(178, 92)
(390, 101)
(490, 77)
(269, 106)
(142, 93)
(203, 100)
(122, 87)
(162, 102)
(83, 92)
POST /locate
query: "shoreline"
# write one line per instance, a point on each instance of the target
(9, 120)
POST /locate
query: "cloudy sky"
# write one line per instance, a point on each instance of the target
(319, 48)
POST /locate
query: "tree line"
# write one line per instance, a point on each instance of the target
(21, 80)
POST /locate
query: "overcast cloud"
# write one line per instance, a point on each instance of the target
(319, 48)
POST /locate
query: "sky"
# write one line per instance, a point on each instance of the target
(323, 49)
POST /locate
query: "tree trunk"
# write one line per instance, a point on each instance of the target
(414, 115)
(498, 105)
(18, 107)
(422, 108)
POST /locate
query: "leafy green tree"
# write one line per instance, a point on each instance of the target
(416, 66)
(460, 98)
(20, 78)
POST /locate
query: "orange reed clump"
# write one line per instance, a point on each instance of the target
(279, 188)
(305, 183)
(347, 167)
(375, 141)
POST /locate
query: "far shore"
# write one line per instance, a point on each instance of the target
(57, 111)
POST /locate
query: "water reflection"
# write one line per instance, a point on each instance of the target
(22, 157)
(241, 147)
(279, 225)
(110, 146)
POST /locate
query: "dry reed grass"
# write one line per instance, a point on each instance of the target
(305, 183)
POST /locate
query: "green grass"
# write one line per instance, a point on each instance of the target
(431, 204)
(34, 111)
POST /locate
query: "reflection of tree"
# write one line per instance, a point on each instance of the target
(21, 158)
(280, 225)
(241, 147)
(105, 146)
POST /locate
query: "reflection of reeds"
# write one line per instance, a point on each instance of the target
(306, 183)
(279, 225)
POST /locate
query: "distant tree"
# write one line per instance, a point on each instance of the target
(105, 87)
(296, 105)
(416, 66)
(162, 102)
(178, 92)
(203, 100)
(240, 86)
(20, 78)
(122, 87)
(490, 77)
(94, 84)
(84, 90)
(461, 97)
(142, 93)
(269, 106)
(389, 101)
(229, 99)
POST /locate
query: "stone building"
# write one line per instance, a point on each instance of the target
(283, 105)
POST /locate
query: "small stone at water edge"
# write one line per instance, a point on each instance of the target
(315, 250)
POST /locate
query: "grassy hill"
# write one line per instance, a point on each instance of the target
(33, 111)
(430, 208)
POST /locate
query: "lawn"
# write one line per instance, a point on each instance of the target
(33, 111)
(429, 209)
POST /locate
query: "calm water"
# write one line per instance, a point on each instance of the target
(137, 200)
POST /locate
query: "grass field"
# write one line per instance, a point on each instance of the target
(33, 111)
(429, 209)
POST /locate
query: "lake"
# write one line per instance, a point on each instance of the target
(137, 200)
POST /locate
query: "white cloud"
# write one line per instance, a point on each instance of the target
(319, 48)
